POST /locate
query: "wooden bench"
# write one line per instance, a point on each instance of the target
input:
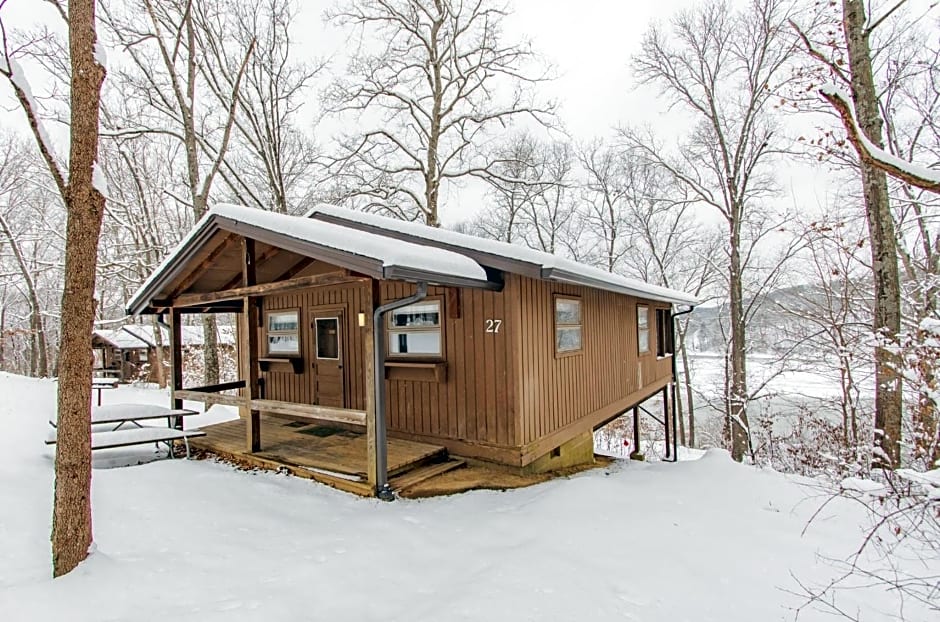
(139, 436)
(123, 414)
(100, 384)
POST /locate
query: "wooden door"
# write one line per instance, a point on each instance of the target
(328, 377)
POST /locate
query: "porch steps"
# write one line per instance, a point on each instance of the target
(416, 476)
(432, 455)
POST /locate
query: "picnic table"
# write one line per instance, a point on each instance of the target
(104, 436)
(101, 384)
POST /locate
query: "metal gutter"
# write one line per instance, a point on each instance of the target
(398, 273)
(565, 276)
(382, 489)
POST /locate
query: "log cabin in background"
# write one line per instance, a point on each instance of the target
(129, 352)
(370, 347)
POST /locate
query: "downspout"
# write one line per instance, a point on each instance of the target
(383, 491)
(675, 380)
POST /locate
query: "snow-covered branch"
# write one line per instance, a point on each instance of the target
(913, 174)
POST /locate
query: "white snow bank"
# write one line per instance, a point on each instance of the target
(865, 486)
(706, 540)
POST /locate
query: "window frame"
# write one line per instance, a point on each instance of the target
(665, 334)
(316, 338)
(391, 330)
(556, 325)
(267, 333)
(639, 331)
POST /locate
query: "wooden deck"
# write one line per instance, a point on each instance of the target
(331, 455)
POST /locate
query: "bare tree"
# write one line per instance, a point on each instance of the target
(513, 190)
(81, 193)
(554, 219)
(13, 193)
(723, 66)
(273, 160)
(609, 178)
(670, 247)
(426, 98)
(171, 54)
(848, 58)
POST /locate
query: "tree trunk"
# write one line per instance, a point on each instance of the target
(737, 425)
(210, 349)
(884, 254)
(38, 360)
(71, 522)
(687, 383)
(680, 416)
(3, 337)
(159, 354)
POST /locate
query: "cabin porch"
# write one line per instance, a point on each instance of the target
(331, 453)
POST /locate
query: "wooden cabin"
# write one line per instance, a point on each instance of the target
(118, 354)
(129, 352)
(413, 334)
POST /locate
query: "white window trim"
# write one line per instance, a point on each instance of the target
(646, 330)
(268, 333)
(438, 328)
(579, 325)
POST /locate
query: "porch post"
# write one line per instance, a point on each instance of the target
(368, 343)
(636, 454)
(248, 359)
(176, 360)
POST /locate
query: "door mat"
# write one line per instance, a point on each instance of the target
(296, 424)
(324, 430)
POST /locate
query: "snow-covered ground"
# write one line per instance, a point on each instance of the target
(196, 540)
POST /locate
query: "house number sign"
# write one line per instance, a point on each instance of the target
(493, 326)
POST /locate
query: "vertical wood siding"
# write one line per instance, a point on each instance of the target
(556, 391)
(505, 389)
(281, 383)
(475, 402)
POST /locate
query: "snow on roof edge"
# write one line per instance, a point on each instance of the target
(390, 253)
(547, 262)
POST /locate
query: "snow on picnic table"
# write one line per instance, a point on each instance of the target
(198, 540)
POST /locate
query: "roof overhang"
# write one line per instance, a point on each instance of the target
(252, 226)
(495, 255)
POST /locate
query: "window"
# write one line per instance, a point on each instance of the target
(327, 338)
(664, 333)
(283, 333)
(567, 325)
(643, 329)
(415, 330)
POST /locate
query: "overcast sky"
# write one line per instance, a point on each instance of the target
(589, 42)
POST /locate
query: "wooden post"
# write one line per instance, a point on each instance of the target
(176, 362)
(368, 343)
(636, 454)
(667, 420)
(248, 360)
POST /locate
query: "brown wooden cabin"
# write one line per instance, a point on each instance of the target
(502, 354)
(129, 352)
(118, 354)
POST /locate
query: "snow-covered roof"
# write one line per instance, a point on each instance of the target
(192, 335)
(376, 255)
(501, 255)
(389, 249)
(138, 336)
(121, 339)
